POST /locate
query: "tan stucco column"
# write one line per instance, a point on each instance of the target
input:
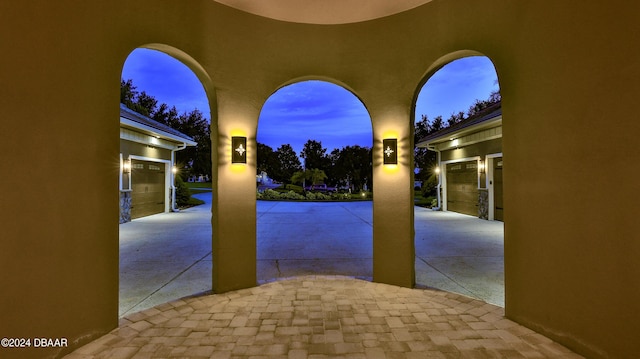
(234, 199)
(393, 232)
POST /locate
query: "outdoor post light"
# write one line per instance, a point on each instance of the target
(390, 150)
(238, 149)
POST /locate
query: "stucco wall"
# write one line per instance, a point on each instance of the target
(569, 76)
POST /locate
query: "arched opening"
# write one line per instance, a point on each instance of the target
(314, 183)
(165, 179)
(458, 217)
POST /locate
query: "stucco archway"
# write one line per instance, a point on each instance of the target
(331, 232)
(158, 249)
(468, 257)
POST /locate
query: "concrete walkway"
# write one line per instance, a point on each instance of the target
(460, 254)
(165, 257)
(168, 256)
(298, 238)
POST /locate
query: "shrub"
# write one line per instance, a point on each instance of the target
(317, 196)
(270, 194)
(291, 195)
(429, 187)
(340, 196)
(183, 193)
(277, 195)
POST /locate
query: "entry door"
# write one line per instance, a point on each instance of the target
(497, 189)
(148, 188)
(462, 187)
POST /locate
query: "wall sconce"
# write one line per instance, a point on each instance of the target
(238, 149)
(174, 169)
(126, 166)
(390, 151)
(481, 166)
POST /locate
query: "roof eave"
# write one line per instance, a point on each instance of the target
(448, 136)
(155, 132)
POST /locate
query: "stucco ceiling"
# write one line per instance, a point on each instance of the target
(323, 11)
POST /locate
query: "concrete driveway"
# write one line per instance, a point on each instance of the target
(168, 256)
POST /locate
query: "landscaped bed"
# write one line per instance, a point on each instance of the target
(296, 193)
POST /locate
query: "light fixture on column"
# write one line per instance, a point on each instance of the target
(481, 166)
(390, 151)
(238, 149)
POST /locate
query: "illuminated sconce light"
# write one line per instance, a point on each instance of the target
(481, 166)
(436, 170)
(238, 149)
(390, 151)
(126, 166)
(174, 169)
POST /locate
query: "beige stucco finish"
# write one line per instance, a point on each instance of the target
(570, 80)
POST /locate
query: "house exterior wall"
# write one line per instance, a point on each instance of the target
(571, 245)
(478, 149)
(128, 148)
(481, 150)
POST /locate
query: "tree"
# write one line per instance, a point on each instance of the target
(424, 159)
(315, 155)
(146, 104)
(267, 160)
(164, 114)
(479, 105)
(198, 158)
(313, 175)
(353, 167)
(455, 118)
(193, 124)
(436, 125)
(317, 176)
(128, 93)
(288, 163)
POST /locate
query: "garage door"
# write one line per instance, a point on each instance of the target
(462, 187)
(497, 189)
(147, 185)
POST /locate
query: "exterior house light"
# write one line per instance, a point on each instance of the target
(481, 166)
(390, 151)
(238, 149)
(126, 166)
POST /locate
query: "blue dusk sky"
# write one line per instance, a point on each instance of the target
(313, 109)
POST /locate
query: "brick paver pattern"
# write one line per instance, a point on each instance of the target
(323, 317)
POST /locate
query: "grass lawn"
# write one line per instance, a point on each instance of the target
(199, 187)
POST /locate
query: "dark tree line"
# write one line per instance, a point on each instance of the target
(349, 166)
(193, 160)
(425, 160)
